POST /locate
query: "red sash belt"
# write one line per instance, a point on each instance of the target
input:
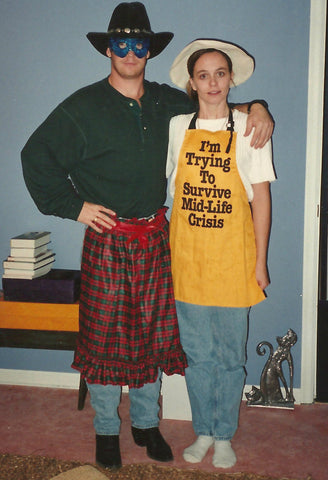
(139, 229)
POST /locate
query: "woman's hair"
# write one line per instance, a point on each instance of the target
(191, 66)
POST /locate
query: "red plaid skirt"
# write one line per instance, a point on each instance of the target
(128, 323)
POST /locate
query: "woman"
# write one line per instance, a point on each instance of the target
(219, 231)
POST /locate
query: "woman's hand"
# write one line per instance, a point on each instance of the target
(97, 216)
(262, 276)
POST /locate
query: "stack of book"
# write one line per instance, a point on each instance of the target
(29, 256)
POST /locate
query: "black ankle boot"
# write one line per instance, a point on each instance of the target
(108, 453)
(157, 448)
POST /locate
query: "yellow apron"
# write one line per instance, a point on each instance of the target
(211, 228)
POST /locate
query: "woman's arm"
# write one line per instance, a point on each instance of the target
(261, 211)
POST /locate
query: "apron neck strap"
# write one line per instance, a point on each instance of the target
(192, 124)
(230, 127)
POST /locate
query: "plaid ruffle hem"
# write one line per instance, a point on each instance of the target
(128, 323)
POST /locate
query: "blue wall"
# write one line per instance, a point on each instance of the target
(45, 56)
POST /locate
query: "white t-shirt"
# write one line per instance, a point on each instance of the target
(254, 165)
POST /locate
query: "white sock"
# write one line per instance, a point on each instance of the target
(224, 456)
(197, 451)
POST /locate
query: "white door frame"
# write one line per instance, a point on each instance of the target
(312, 198)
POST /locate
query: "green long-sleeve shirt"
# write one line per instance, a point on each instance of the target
(101, 147)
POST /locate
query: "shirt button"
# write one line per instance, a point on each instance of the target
(145, 128)
(131, 104)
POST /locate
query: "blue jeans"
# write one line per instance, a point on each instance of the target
(214, 339)
(144, 406)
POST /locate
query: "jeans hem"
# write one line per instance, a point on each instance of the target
(107, 434)
(145, 427)
(222, 438)
(215, 437)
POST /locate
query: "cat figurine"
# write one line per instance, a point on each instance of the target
(269, 392)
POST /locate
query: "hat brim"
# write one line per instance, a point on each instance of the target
(243, 63)
(158, 41)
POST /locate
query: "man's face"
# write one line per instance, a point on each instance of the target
(130, 65)
(122, 46)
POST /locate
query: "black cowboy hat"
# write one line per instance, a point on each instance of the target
(130, 20)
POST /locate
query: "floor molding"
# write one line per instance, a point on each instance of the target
(175, 402)
(32, 378)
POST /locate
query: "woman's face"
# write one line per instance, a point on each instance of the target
(211, 78)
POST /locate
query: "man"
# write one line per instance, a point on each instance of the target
(99, 158)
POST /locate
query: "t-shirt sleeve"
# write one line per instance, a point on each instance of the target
(261, 166)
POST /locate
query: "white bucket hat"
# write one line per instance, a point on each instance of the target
(243, 63)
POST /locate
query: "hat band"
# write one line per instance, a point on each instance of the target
(131, 31)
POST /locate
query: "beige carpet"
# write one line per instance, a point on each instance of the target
(87, 472)
(17, 467)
